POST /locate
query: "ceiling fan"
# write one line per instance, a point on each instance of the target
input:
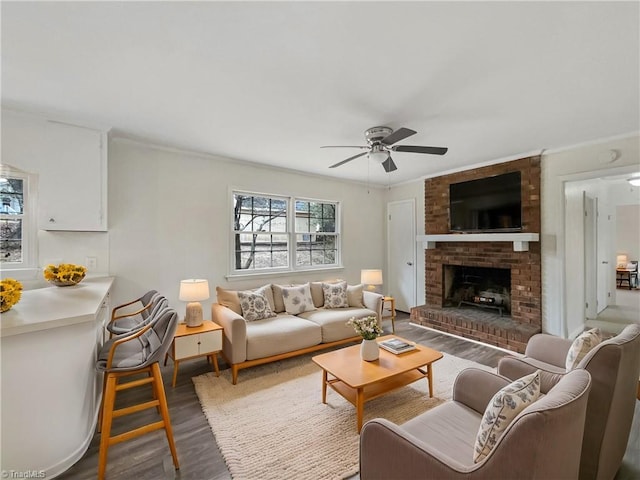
(379, 148)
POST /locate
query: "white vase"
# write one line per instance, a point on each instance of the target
(369, 350)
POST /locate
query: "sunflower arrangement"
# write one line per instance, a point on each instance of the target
(64, 274)
(10, 293)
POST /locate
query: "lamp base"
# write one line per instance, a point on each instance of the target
(373, 288)
(193, 316)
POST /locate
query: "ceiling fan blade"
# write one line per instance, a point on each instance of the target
(345, 146)
(348, 160)
(418, 149)
(388, 165)
(398, 135)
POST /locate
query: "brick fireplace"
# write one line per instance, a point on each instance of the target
(518, 274)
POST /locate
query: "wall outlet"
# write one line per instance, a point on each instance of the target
(92, 263)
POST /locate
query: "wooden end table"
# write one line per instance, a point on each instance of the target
(359, 381)
(392, 308)
(194, 342)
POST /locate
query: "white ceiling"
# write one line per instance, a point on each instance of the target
(272, 82)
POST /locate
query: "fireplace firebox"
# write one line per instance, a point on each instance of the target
(481, 287)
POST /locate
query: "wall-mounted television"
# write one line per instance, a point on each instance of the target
(490, 204)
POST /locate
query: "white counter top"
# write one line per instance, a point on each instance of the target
(52, 307)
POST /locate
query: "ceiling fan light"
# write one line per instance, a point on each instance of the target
(635, 181)
(379, 156)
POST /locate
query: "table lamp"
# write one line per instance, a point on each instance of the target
(193, 290)
(371, 279)
(621, 261)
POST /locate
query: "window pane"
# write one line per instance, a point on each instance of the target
(11, 240)
(315, 217)
(303, 258)
(11, 196)
(261, 251)
(259, 214)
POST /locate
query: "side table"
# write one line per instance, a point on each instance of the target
(392, 307)
(194, 342)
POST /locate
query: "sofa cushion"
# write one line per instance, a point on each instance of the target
(280, 334)
(229, 299)
(581, 346)
(505, 405)
(297, 299)
(334, 321)
(316, 294)
(454, 425)
(255, 305)
(335, 295)
(355, 296)
(278, 302)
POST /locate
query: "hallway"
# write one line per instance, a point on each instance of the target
(615, 317)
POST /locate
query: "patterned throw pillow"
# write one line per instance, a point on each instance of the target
(255, 305)
(335, 295)
(581, 346)
(297, 299)
(502, 409)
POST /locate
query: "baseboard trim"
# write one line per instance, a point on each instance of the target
(511, 352)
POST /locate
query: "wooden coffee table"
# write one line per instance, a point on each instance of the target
(359, 381)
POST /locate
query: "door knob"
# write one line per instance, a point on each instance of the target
(409, 263)
(605, 262)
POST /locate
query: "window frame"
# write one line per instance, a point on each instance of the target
(25, 269)
(291, 234)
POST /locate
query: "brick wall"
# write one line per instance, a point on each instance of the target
(526, 278)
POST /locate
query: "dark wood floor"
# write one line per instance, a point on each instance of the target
(148, 457)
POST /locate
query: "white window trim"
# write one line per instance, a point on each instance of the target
(28, 268)
(291, 232)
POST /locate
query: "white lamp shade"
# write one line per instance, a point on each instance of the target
(194, 290)
(621, 261)
(371, 277)
(380, 156)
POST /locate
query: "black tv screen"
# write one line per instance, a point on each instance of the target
(486, 205)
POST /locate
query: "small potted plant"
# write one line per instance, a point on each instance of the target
(369, 330)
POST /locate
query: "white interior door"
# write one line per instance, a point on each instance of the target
(606, 257)
(401, 255)
(590, 258)
(574, 260)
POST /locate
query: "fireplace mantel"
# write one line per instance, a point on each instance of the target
(520, 240)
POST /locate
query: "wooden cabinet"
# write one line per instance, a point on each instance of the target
(194, 342)
(73, 179)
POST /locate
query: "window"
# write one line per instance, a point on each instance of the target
(315, 233)
(274, 234)
(15, 224)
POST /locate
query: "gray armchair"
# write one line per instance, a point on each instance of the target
(614, 366)
(542, 442)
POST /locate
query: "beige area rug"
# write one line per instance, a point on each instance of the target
(273, 424)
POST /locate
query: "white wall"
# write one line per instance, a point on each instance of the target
(571, 164)
(628, 231)
(170, 218)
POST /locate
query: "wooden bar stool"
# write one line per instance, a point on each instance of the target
(138, 352)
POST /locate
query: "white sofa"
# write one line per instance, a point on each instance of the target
(248, 343)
